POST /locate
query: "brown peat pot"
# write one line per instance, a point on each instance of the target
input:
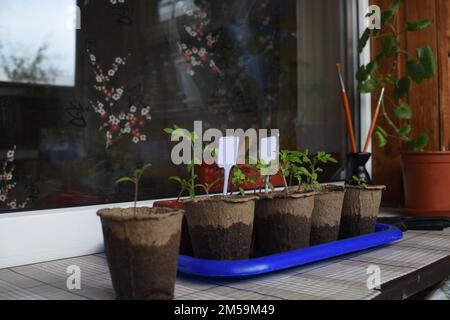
(142, 251)
(426, 183)
(360, 210)
(326, 217)
(283, 221)
(185, 244)
(221, 227)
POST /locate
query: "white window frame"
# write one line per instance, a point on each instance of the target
(39, 236)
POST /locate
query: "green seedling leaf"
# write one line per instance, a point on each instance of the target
(146, 167)
(137, 173)
(124, 179)
(176, 179)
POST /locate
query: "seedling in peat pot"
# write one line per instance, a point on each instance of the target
(135, 179)
(186, 184)
(307, 173)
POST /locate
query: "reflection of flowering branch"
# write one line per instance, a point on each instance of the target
(116, 123)
(197, 55)
(7, 183)
(114, 2)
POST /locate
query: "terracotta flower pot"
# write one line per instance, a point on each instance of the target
(360, 210)
(221, 227)
(185, 244)
(426, 183)
(326, 217)
(142, 251)
(283, 222)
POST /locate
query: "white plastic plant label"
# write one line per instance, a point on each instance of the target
(227, 157)
(228, 151)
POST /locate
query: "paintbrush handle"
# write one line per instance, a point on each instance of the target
(374, 121)
(348, 116)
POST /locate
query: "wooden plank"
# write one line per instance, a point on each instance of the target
(443, 25)
(415, 282)
(424, 98)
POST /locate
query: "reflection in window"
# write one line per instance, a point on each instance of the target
(37, 44)
(142, 66)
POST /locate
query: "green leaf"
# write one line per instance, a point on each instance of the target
(369, 85)
(403, 112)
(137, 173)
(425, 67)
(168, 130)
(388, 46)
(365, 72)
(426, 59)
(415, 71)
(380, 138)
(124, 179)
(177, 179)
(419, 144)
(405, 131)
(420, 25)
(402, 88)
(146, 167)
(382, 131)
(362, 43)
(390, 12)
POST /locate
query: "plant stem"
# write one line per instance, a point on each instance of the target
(136, 191)
(386, 116)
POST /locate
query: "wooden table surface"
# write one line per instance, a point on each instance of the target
(407, 267)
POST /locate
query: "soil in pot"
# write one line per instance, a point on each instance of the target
(360, 210)
(142, 251)
(283, 222)
(221, 227)
(326, 217)
(185, 244)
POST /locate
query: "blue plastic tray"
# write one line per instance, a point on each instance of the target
(246, 268)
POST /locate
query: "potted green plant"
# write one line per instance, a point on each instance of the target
(283, 219)
(425, 174)
(187, 185)
(221, 227)
(328, 201)
(142, 246)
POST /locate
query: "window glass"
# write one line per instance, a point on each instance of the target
(37, 43)
(104, 93)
